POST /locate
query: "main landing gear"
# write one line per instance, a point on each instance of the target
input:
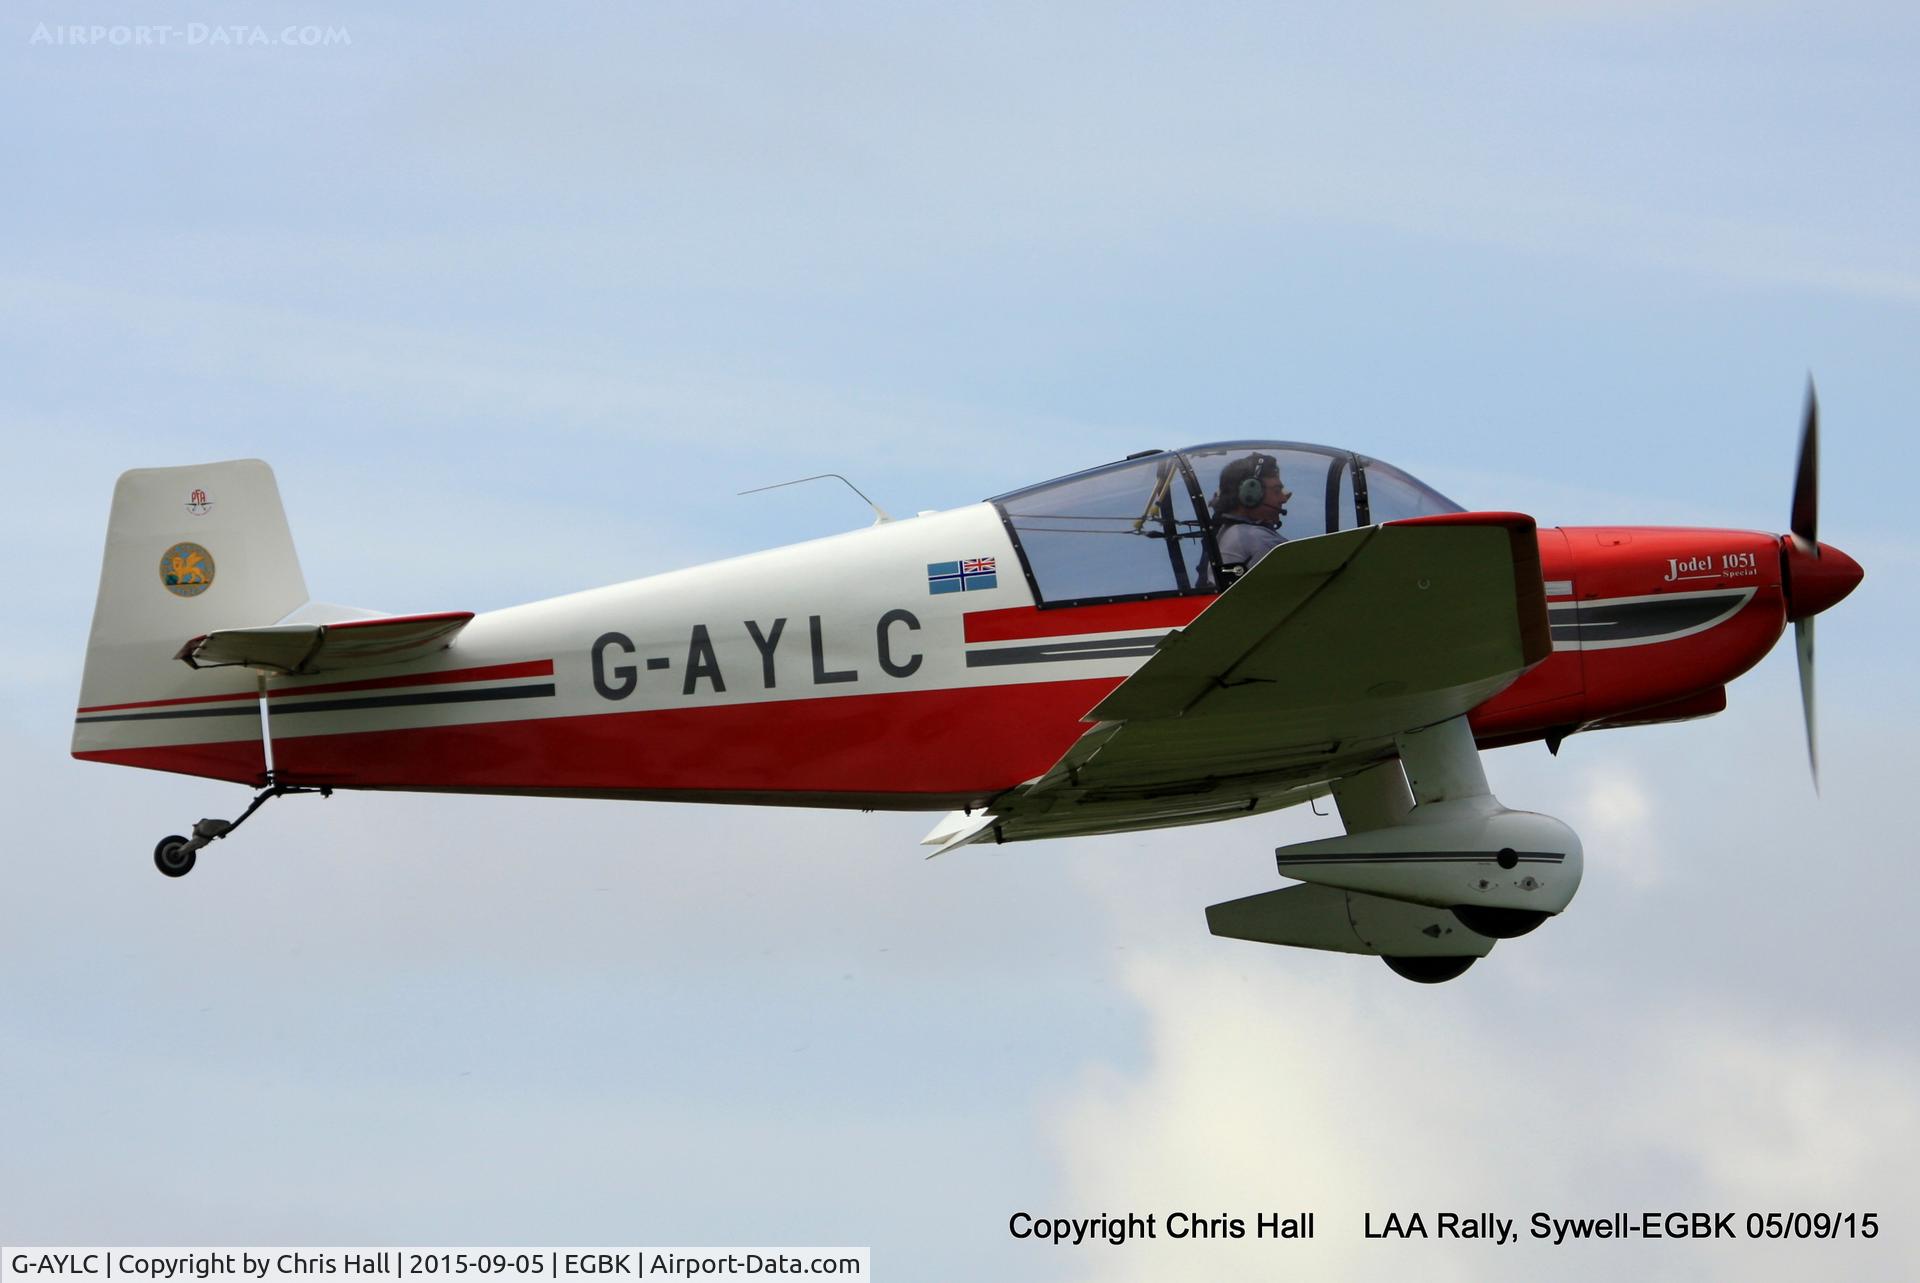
(175, 855)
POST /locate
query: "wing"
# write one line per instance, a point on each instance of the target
(1301, 673)
(326, 648)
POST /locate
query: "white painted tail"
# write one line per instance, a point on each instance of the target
(189, 550)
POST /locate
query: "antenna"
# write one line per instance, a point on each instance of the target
(880, 516)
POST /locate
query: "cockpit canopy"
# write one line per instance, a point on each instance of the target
(1144, 527)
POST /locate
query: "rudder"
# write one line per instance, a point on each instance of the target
(188, 550)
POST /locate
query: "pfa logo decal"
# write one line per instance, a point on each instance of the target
(198, 504)
(186, 570)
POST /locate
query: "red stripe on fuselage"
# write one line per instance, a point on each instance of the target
(487, 673)
(167, 703)
(976, 741)
(1018, 622)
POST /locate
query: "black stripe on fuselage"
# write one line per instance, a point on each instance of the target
(1422, 857)
(1053, 652)
(252, 709)
(1617, 621)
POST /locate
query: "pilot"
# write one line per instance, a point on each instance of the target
(1247, 511)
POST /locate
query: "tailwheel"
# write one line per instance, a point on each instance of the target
(1427, 970)
(174, 856)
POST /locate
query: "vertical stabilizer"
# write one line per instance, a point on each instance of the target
(188, 550)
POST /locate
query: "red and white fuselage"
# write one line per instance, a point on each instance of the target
(830, 673)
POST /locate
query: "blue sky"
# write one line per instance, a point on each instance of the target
(514, 302)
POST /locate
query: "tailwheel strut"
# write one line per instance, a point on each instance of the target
(175, 855)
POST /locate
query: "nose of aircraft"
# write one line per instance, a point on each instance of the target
(1817, 576)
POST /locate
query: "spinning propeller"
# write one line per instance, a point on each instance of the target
(1817, 575)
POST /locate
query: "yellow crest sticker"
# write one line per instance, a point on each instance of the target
(187, 570)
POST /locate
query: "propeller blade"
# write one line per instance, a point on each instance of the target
(1806, 483)
(1803, 648)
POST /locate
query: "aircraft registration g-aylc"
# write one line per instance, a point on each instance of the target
(1060, 660)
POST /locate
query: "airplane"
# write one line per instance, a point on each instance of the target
(1073, 657)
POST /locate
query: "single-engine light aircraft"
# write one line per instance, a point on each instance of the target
(1180, 637)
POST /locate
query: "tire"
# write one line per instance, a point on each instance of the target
(1501, 924)
(1428, 970)
(172, 858)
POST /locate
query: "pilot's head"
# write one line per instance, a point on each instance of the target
(1250, 489)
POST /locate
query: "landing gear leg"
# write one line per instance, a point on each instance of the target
(175, 855)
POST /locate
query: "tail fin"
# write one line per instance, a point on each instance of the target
(189, 550)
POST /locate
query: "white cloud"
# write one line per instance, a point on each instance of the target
(1358, 1093)
(1787, 1117)
(1615, 820)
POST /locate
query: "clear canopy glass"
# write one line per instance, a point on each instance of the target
(1145, 526)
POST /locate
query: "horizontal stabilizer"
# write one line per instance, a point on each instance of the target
(326, 648)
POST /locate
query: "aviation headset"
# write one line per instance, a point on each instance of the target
(1246, 480)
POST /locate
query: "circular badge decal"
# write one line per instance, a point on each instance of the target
(186, 569)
